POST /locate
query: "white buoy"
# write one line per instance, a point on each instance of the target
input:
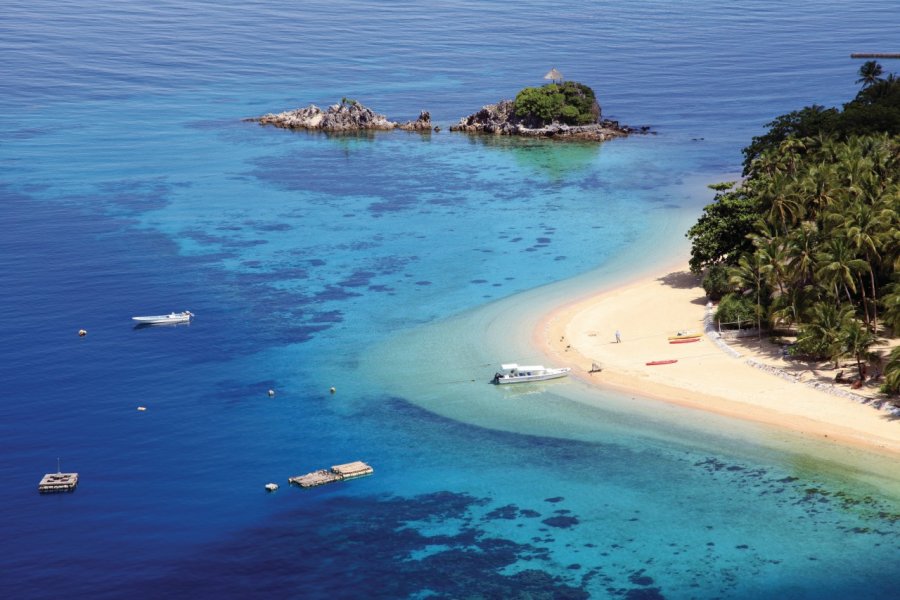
(332, 390)
(271, 393)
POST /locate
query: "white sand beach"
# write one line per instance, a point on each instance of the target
(705, 376)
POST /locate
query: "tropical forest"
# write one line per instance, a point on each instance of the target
(806, 246)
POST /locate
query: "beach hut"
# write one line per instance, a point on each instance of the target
(554, 76)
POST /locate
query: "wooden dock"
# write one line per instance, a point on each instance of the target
(336, 473)
(875, 55)
(58, 482)
(354, 469)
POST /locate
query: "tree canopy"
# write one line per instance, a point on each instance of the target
(875, 109)
(813, 231)
(570, 103)
(721, 233)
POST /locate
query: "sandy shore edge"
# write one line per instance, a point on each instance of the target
(649, 309)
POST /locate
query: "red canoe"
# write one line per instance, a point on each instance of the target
(687, 341)
(662, 362)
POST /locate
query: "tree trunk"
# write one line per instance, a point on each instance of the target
(874, 303)
(862, 290)
(849, 297)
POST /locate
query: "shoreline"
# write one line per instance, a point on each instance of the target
(656, 304)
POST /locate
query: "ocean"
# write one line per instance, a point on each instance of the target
(400, 269)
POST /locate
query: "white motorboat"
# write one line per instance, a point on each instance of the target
(515, 373)
(182, 317)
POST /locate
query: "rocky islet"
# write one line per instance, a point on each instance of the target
(493, 119)
(348, 116)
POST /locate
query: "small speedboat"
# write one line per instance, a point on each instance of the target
(515, 373)
(182, 317)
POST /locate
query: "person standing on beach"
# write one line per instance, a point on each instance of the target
(618, 337)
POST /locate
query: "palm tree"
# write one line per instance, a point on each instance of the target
(838, 266)
(768, 163)
(864, 227)
(823, 330)
(772, 258)
(791, 150)
(885, 155)
(869, 73)
(824, 146)
(856, 341)
(748, 277)
(790, 307)
(803, 243)
(818, 187)
(854, 172)
(784, 206)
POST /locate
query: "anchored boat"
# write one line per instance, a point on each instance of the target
(515, 373)
(182, 317)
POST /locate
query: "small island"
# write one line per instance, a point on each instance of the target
(567, 110)
(348, 116)
(560, 110)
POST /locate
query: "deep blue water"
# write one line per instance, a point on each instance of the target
(129, 184)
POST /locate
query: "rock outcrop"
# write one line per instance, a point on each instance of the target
(494, 118)
(423, 123)
(348, 116)
(501, 119)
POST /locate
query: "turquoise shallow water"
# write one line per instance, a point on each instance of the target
(397, 268)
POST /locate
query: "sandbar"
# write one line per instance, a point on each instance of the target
(647, 311)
